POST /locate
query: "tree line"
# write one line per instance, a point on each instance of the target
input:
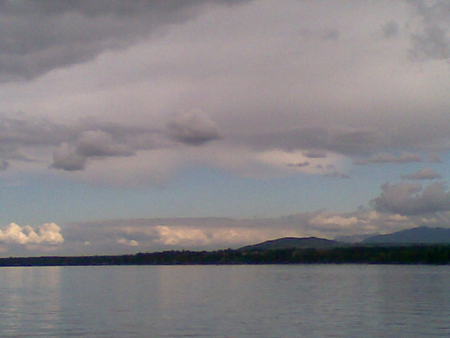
(432, 254)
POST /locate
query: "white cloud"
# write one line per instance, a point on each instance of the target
(48, 233)
(335, 220)
(192, 236)
(128, 242)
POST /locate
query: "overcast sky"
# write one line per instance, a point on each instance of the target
(132, 126)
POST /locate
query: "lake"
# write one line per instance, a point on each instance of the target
(226, 301)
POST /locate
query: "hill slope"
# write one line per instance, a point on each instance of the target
(420, 235)
(292, 242)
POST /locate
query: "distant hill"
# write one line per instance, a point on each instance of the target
(293, 243)
(354, 238)
(420, 235)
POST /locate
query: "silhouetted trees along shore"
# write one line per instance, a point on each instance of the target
(420, 254)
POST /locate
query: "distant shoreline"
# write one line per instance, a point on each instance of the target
(401, 254)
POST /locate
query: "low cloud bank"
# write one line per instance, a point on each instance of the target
(48, 233)
(205, 233)
(399, 206)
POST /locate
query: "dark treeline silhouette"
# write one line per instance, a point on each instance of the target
(431, 254)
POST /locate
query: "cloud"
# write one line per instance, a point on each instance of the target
(248, 91)
(423, 174)
(48, 233)
(400, 206)
(317, 140)
(170, 233)
(335, 220)
(30, 131)
(128, 242)
(24, 132)
(66, 157)
(315, 154)
(193, 128)
(294, 161)
(433, 39)
(332, 35)
(74, 145)
(90, 144)
(3, 165)
(219, 236)
(155, 234)
(435, 158)
(337, 174)
(390, 158)
(412, 198)
(46, 35)
(390, 29)
(299, 164)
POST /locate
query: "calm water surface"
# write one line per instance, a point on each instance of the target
(226, 301)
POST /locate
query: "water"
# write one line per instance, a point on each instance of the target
(226, 301)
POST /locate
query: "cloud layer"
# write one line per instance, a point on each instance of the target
(219, 233)
(399, 206)
(151, 77)
(46, 234)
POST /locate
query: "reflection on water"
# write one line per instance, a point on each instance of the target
(226, 301)
(30, 299)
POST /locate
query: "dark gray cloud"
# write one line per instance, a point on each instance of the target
(424, 174)
(194, 128)
(367, 146)
(19, 133)
(4, 165)
(73, 145)
(318, 139)
(66, 157)
(332, 35)
(315, 154)
(32, 131)
(75, 142)
(390, 29)
(433, 40)
(413, 199)
(99, 143)
(90, 144)
(39, 36)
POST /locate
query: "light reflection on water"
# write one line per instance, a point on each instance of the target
(29, 297)
(226, 301)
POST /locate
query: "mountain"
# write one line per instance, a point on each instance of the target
(420, 235)
(292, 242)
(354, 238)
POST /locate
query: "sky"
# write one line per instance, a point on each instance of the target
(206, 124)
